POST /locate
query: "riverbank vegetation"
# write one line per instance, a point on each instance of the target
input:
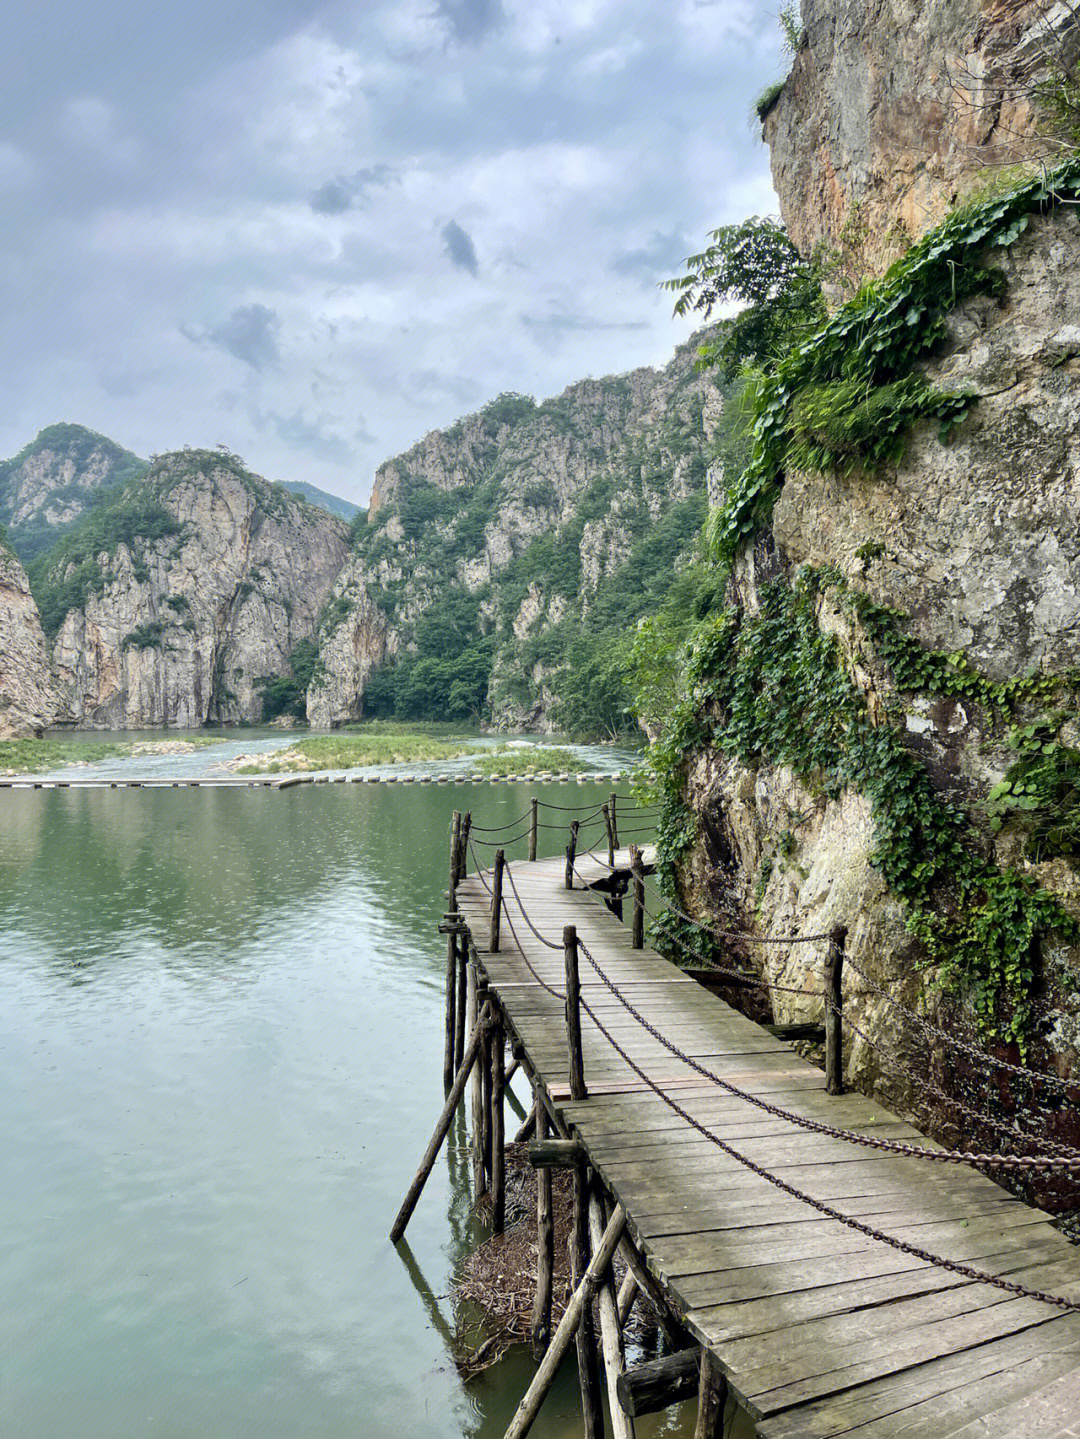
(350, 751)
(530, 759)
(39, 756)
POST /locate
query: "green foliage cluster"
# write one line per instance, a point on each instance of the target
(1040, 793)
(287, 694)
(773, 687)
(756, 265)
(149, 636)
(65, 577)
(530, 759)
(768, 98)
(850, 425)
(875, 340)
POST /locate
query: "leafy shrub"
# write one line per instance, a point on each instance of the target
(148, 636)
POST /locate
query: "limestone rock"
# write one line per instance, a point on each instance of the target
(29, 700)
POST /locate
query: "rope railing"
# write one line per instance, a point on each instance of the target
(973, 1051)
(759, 981)
(829, 1211)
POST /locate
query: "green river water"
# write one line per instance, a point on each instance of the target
(220, 1019)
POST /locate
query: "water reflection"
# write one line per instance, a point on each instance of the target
(221, 1058)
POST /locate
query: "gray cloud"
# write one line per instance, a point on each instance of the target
(348, 192)
(659, 258)
(470, 20)
(460, 247)
(294, 153)
(249, 333)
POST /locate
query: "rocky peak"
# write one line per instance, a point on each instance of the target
(48, 485)
(29, 701)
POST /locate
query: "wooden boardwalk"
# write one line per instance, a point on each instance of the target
(820, 1330)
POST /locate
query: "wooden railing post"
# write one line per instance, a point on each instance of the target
(573, 1014)
(834, 1027)
(545, 1247)
(466, 825)
(571, 853)
(610, 827)
(638, 871)
(534, 825)
(612, 802)
(496, 901)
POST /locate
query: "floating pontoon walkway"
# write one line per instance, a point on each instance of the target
(820, 1330)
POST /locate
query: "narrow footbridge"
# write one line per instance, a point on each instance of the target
(819, 1258)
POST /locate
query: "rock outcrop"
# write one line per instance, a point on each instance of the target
(178, 630)
(974, 543)
(896, 108)
(29, 700)
(526, 512)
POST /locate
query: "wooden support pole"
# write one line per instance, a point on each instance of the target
(622, 1426)
(431, 1153)
(545, 1248)
(451, 1008)
(712, 1399)
(498, 1131)
(530, 1123)
(515, 1065)
(534, 826)
(451, 956)
(834, 1028)
(476, 1097)
(592, 1410)
(556, 1153)
(485, 1093)
(573, 1014)
(610, 835)
(612, 802)
(580, 1300)
(571, 853)
(638, 871)
(657, 1385)
(649, 1287)
(462, 1002)
(628, 1293)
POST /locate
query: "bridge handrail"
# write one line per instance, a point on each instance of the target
(901, 1245)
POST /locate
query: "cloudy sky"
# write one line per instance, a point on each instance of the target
(314, 231)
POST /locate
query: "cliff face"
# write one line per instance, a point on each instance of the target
(29, 700)
(894, 108)
(518, 519)
(973, 545)
(176, 630)
(48, 485)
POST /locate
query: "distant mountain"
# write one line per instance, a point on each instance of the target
(47, 487)
(314, 496)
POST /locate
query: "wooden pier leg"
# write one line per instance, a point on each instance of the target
(451, 1009)
(627, 1297)
(638, 871)
(485, 1094)
(496, 900)
(571, 853)
(573, 1014)
(622, 1426)
(534, 825)
(592, 1411)
(498, 1131)
(476, 1093)
(525, 1132)
(834, 1027)
(545, 1247)
(580, 1301)
(462, 1003)
(712, 1399)
(432, 1151)
(610, 835)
